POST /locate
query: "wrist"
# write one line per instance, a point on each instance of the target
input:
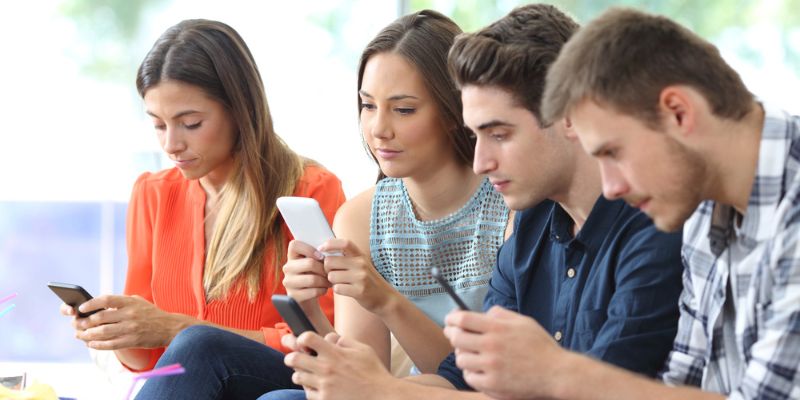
(388, 305)
(178, 323)
(565, 364)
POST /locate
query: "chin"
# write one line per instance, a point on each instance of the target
(665, 224)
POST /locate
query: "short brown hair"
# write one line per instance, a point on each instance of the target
(423, 39)
(513, 53)
(625, 58)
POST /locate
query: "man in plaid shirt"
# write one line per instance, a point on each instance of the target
(678, 135)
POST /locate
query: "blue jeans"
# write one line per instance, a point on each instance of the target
(219, 365)
(292, 394)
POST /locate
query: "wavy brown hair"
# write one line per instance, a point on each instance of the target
(423, 38)
(212, 56)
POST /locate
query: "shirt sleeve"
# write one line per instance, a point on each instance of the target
(642, 314)
(773, 335)
(684, 366)
(139, 241)
(326, 189)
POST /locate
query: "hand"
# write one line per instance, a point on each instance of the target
(304, 275)
(342, 368)
(353, 275)
(125, 322)
(504, 354)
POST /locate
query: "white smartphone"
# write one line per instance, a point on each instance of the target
(306, 221)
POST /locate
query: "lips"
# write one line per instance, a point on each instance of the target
(184, 163)
(387, 153)
(499, 184)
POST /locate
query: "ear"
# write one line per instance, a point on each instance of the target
(678, 111)
(569, 130)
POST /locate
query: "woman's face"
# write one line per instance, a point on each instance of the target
(400, 120)
(195, 131)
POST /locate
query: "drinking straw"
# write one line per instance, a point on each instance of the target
(7, 298)
(172, 369)
(7, 309)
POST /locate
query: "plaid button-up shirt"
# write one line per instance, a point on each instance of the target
(761, 269)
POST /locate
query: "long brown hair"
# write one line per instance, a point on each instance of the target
(212, 56)
(423, 38)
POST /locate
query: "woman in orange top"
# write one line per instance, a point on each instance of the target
(205, 242)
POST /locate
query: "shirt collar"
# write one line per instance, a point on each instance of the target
(603, 215)
(768, 186)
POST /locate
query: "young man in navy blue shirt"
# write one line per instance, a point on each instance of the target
(595, 273)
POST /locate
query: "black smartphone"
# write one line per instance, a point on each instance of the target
(292, 313)
(437, 274)
(72, 295)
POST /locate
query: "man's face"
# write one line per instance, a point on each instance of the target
(649, 169)
(524, 163)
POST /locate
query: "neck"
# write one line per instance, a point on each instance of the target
(213, 182)
(435, 196)
(733, 155)
(581, 190)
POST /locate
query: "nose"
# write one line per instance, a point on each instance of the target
(484, 161)
(380, 126)
(614, 184)
(172, 141)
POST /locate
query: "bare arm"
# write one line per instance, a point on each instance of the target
(382, 308)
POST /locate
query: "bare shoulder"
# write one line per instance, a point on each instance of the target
(352, 219)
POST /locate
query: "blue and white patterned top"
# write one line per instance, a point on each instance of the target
(747, 345)
(463, 245)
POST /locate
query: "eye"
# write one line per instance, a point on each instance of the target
(193, 126)
(367, 106)
(159, 127)
(405, 110)
(498, 137)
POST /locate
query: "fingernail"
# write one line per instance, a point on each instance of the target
(318, 255)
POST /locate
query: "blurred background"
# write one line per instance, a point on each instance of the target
(75, 135)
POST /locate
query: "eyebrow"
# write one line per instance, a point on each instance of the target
(493, 124)
(392, 98)
(176, 116)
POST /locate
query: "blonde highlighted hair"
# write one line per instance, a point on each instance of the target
(212, 56)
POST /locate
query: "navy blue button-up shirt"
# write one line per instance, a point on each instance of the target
(610, 292)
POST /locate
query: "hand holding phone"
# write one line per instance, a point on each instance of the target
(306, 221)
(437, 274)
(72, 295)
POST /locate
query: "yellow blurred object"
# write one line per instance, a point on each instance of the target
(36, 391)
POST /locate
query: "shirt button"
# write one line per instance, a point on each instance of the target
(557, 336)
(571, 272)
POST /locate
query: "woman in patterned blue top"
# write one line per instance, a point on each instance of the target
(427, 209)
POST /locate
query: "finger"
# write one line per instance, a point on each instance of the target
(114, 344)
(66, 310)
(468, 321)
(304, 379)
(300, 361)
(107, 316)
(464, 340)
(476, 379)
(332, 337)
(311, 393)
(337, 277)
(306, 281)
(344, 246)
(103, 332)
(107, 301)
(313, 341)
(470, 361)
(304, 266)
(298, 249)
(289, 341)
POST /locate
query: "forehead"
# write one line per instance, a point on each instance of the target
(597, 124)
(168, 96)
(485, 103)
(388, 73)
